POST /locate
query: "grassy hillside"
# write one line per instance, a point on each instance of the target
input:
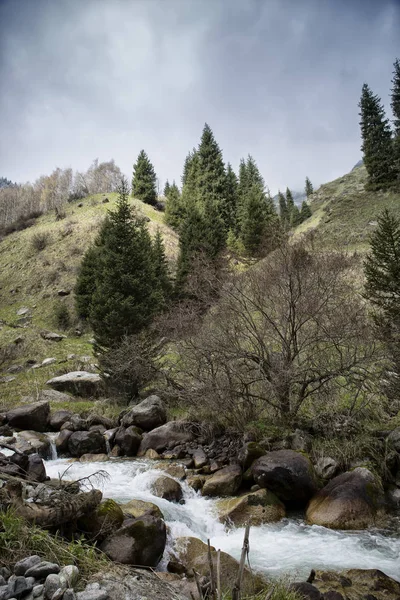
(32, 279)
(344, 213)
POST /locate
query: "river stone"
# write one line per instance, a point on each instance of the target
(75, 423)
(196, 482)
(69, 594)
(62, 441)
(140, 541)
(306, 591)
(193, 554)
(351, 500)
(69, 576)
(257, 508)
(138, 508)
(42, 570)
(176, 470)
(360, 583)
(30, 416)
(248, 453)
(92, 594)
(94, 458)
(18, 586)
(171, 434)
(81, 383)
(86, 442)
(138, 584)
(288, 474)
(51, 585)
(326, 467)
(33, 442)
(224, 482)
(199, 458)
(148, 414)
(37, 590)
(22, 566)
(167, 488)
(36, 468)
(58, 418)
(128, 439)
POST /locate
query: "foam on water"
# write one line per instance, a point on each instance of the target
(287, 546)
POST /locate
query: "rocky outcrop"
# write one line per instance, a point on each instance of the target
(288, 474)
(86, 442)
(225, 482)
(30, 416)
(167, 488)
(79, 383)
(138, 542)
(128, 440)
(167, 436)
(257, 508)
(351, 500)
(148, 414)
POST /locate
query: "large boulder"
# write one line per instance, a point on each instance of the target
(192, 553)
(167, 488)
(365, 584)
(86, 442)
(257, 507)
(148, 414)
(351, 500)
(288, 474)
(80, 383)
(248, 453)
(30, 416)
(36, 468)
(128, 440)
(62, 441)
(139, 542)
(224, 482)
(103, 521)
(33, 442)
(169, 435)
(58, 418)
(138, 508)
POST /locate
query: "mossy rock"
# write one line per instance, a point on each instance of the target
(358, 583)
(257, 507)
(105, 520)
(138, 508)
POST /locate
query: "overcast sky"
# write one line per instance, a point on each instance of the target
(279, 79)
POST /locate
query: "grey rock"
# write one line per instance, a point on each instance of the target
(4, 595)
(58, 594)
(22, 566)
(92, 595)
(51, 585)
(36, 468)
(171, 434)
(199, 458)
(18, 587)
(37, 590)
(51, 336)
(4, 572)
(33, 442)
(30, 416)
(394, 439)
(167, 488)
(2, 581)
(69, 594)
(128, 440)
(62, 441)
(326, 467)
(48, 361)
(42, 570)
(23, 312)
(81, 383)
(139, 585)
(58, 418)
(69, 576)
(86, 442)
(148, 414)
(224, 482)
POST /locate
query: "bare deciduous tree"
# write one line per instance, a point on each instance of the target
(287, 331)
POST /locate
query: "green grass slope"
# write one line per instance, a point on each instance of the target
(345, 213)
(32, 279)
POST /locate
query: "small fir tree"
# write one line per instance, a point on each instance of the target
(309, 190)
(231, 195)
(254, 220)
(167, 188)
(296, 216)
(283, 209)
(290, 205)
(174, 209)
(305, 212)
(377, 143)
(144, 181)
(161, 269)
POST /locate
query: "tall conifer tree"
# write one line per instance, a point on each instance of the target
(309, 190)
(144, 180)
(395, 104)
(174, 208)
(283, 209)
(161, 269)
(231, 203)
(167, 187)
(377, 143)
(305, 212)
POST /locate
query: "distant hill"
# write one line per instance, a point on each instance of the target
(298, 198)
(345, 213)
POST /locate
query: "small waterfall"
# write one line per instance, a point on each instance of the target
(108, 447)
(290, 546)
(53, 449)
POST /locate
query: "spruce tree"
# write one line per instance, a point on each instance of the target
(296, 216)
(309, 190)
(377, 143)
(305, 212)
(231, 195)
(174, 209)
(395, 104)
(124, 294)
(167, 188)
(161, 269)
(254, 220)
(283, 209)
(290, 205)
(191, 242)
(144, 180)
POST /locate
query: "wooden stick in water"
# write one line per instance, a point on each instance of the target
(212, 580)
(219, 596)
(245, 549)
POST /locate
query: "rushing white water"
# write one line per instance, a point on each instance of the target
(287, 546)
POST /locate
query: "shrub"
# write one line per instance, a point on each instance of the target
(40, 240)
(62, 315)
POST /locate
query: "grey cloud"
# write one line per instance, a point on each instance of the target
(104, 78)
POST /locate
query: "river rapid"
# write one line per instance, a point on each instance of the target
(289, 546)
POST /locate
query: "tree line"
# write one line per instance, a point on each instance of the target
(380, 141)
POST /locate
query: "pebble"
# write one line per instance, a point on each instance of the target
(52, 584)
